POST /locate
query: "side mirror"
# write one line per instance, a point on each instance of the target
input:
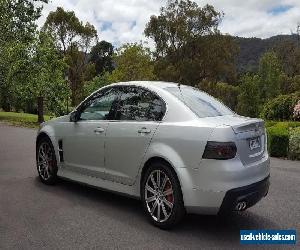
(74, 116)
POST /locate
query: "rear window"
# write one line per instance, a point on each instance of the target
(202, 104)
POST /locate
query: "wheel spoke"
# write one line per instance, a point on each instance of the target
(150, 189)
(158, 178)
(169, 204)
(164, 182)
(153, 181)
(158, 212)
(164, 210)
(41, 152)
(150, 199)
(153, 208)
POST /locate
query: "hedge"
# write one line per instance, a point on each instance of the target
(294, 144)
(278, 141)
(280, 108)
(283, 139)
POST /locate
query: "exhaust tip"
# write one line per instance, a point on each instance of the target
(241, 206)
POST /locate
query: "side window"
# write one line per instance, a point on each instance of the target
(100, 107)
(138, 104)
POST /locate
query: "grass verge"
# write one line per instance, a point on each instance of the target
(21, 119)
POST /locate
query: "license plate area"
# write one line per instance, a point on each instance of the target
(254, 143)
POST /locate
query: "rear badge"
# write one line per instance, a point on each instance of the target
(254, 143)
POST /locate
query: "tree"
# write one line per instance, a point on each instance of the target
(64, 27)
(270, 72)
(74, 39)
(133, 62)
(248, 99)
(79, 72)
(101, 56)
(189, 46)
(17, 29)
(38, 74)
(288, 54)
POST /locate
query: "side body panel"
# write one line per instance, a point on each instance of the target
(125, 145)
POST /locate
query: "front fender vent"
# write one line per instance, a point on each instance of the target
(60, 151)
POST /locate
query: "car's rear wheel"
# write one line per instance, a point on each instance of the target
(46, 161)
(161, 195)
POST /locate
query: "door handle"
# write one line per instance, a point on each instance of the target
(144, 131)
(99, 130)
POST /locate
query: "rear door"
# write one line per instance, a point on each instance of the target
(127, 138)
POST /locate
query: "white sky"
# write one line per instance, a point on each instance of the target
(122, 21)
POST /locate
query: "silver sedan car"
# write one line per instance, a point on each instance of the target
(172, 146)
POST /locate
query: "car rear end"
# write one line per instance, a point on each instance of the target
(233, 173)
(235, 168)
(251, 182)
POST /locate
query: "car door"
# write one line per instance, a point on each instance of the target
(83, 143)
(127, 138)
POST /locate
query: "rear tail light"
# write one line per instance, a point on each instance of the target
(219, 150)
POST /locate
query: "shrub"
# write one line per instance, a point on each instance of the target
(278, 141)
(280, 108)
(294, 144)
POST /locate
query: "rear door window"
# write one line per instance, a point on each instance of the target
(139, 104)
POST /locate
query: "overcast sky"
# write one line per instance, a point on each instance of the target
(121, 21)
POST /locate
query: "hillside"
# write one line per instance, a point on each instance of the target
(252, 48)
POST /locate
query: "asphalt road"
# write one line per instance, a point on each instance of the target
(72, 216)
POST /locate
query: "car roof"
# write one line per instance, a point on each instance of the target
(148, 84)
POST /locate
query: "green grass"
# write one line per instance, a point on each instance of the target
(21, 119)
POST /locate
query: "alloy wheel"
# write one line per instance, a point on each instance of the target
(45, 161)
(159, 196)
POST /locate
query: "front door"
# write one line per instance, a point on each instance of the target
(84, 140)
(127, 138)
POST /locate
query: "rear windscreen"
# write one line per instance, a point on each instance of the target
(202, 104)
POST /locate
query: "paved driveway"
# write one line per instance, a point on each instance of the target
(71, 216)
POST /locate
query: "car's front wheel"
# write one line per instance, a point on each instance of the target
(46, 161)
(161, 195)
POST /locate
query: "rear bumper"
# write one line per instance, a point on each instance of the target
(213, 184)
(244, 197)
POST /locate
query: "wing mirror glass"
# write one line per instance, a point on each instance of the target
(74, 116)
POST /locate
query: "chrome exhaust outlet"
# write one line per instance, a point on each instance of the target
(241, 206)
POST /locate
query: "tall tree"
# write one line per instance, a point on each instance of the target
(133, 62)
(17, 29)
(189, 46)
(288, 53)
(248, 100)
(79, 72)
(270, 72)
(64, 26)
(101, 56)
(74, 39)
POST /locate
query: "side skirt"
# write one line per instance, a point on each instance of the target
(106, 185)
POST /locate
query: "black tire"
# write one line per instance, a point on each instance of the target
(178, 210)
(52, 170)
